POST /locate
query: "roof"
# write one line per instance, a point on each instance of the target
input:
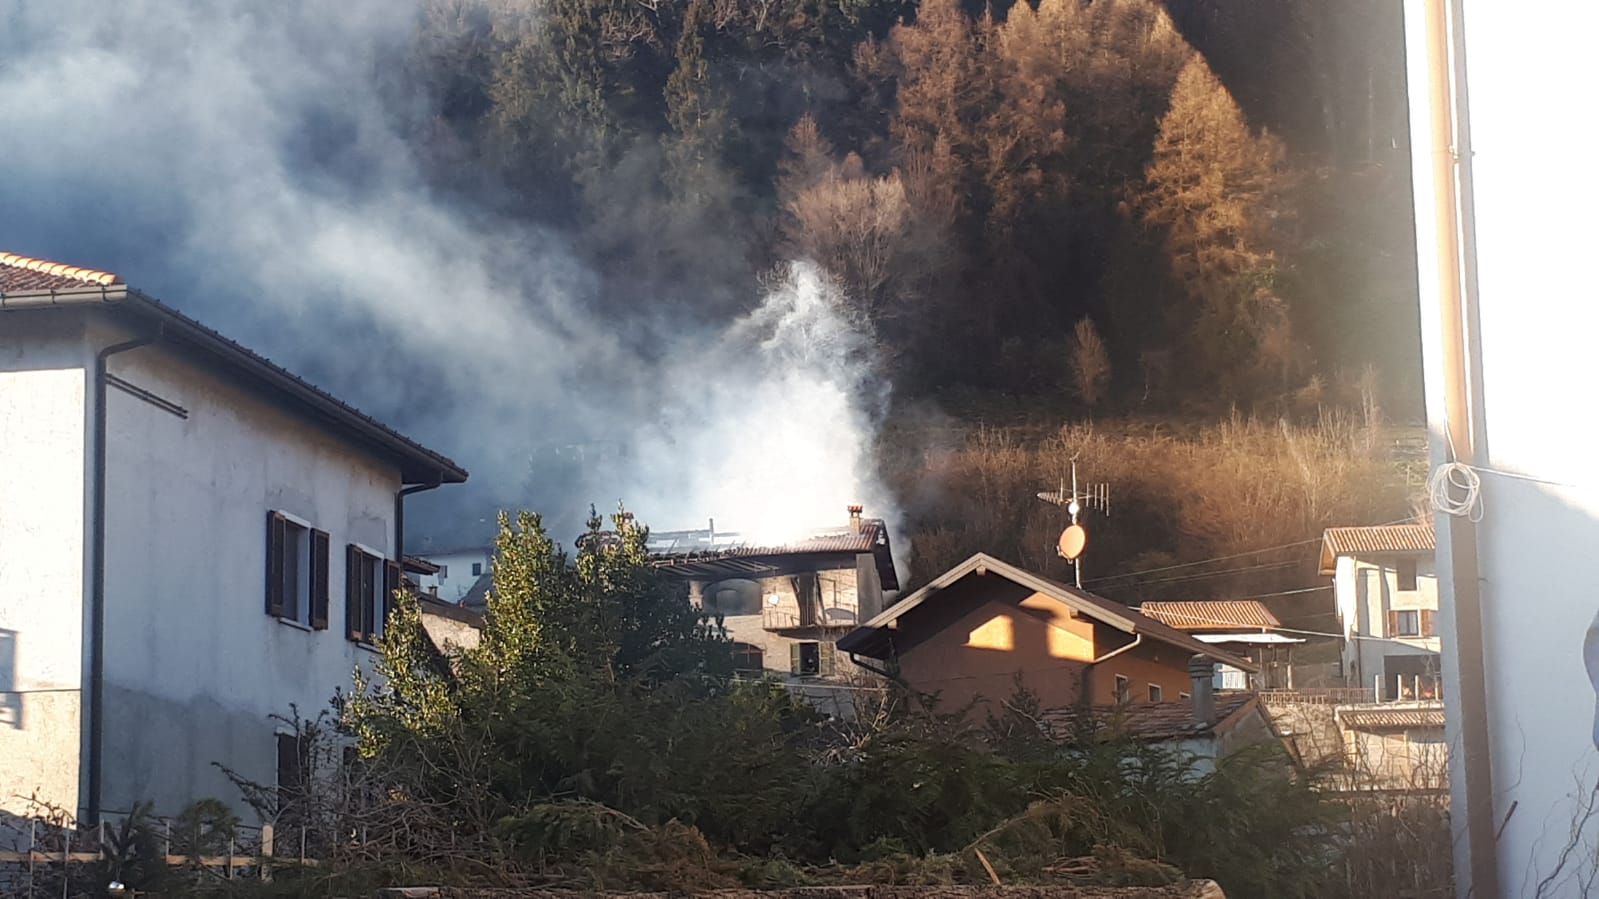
(708, 554)
(1391, 715)
(36, 285)
(477, 596)
(433, 605)
(1209, 615)
(873, 638)
(1407, 539)
(1155, 720)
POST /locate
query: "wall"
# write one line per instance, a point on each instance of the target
(1529, 68)
(43, 383)
(1398, 759)
(453, 584)
(194, 666)
(1374, 583)
(1149, 663)
(977, 655)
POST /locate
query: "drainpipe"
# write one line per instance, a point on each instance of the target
(399, 513)
(97, 582)
(1451, 161)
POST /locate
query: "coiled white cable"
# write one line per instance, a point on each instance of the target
(1455, 489)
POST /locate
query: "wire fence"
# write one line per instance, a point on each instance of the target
(47, 856)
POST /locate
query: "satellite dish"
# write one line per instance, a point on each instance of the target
(1072, 541)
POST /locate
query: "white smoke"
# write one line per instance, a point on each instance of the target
(235, 159)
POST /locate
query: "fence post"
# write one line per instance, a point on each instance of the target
(228, 867)
(33, 846)
(266, 852)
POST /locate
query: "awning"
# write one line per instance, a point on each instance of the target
(1246, 638)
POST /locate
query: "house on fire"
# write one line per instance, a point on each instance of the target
(971, 632)
(192, 540)
(785, 606)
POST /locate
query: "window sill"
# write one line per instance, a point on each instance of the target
(296, 625)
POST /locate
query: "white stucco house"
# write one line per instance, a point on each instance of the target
(1386, 591)
(1509, 310)
(459, 568)
(192, 540)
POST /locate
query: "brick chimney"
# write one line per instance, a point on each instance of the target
(1202, 670)
(855, 519)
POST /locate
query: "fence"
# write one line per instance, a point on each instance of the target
(51, 858)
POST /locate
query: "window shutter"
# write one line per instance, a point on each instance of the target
(276, 532)
(794, 662)
(352, 592)
(319, 580)
(1427, 623)
(1393, 624)
(826, 653)
(391, 584)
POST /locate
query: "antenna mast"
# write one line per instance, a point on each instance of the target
(1073, 539)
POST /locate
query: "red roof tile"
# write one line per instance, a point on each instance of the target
(24, 274)
(1383, 716)
(1209, 615)
(1386, 538)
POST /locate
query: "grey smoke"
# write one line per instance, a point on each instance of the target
(238, 161)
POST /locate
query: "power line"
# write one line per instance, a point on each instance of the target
(1134, 574)
(1207, 574)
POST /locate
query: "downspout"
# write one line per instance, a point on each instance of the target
(1093, 664)
(399, 513)
(97, 582)
(1458, 320)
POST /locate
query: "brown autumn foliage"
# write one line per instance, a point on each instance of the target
(1237, 487)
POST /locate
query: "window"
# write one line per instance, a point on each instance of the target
(370, 582)
(477, 569)
(748, 658)
(294, 765)
(1405, 623)
(1154, 692)
(297, 572)
(1407, 575)
(1124, 690)
(812, 659)
(444, 572)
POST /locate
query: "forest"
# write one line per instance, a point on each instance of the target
(1116, 206)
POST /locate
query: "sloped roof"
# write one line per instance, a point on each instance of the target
(1210, 615)
(37, 285)
(871, 639)
(1407, 539)
(1391, 716)
(1154, 720)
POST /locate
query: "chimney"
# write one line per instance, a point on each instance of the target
(1203, 671)
(855, 519)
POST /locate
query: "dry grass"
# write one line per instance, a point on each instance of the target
(1212, 490)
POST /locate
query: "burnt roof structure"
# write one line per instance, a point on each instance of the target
(705, 554)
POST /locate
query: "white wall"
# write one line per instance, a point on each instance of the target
(194, 665)
(1530, 80)
(42, 561)
(453, 584)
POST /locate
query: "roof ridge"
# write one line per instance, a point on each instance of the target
(59, 269)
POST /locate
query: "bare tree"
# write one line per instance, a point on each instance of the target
(1090, 363)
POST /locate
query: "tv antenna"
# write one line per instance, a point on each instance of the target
(1075, 538)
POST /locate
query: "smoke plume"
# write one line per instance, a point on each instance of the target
(244, 163)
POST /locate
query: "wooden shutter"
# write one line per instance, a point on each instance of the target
(277, 529)
(352, 592)
(826, 654)
(319, 580)
(391, 584)
(1427, 623)
(795, 659)
(1393, 624)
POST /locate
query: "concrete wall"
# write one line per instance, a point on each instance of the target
(768, 614)
(43, 564)
(194, 665)
(1529, 66)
